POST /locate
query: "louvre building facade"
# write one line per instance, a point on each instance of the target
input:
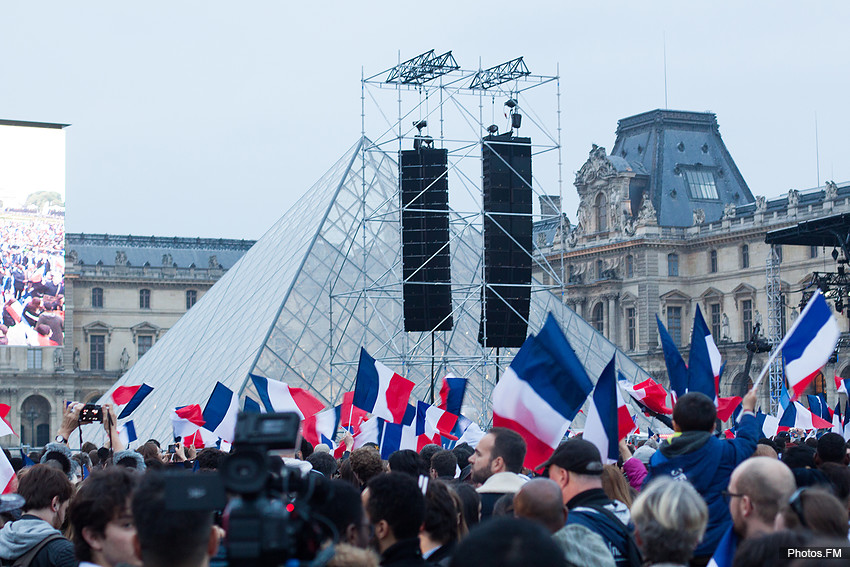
(667, 223)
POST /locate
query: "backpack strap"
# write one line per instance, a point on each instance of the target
(27, 558)
(632, 552)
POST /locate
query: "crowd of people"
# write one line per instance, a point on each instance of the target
(32, 281)
(744, 501)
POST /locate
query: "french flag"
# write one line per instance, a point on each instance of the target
(727, 406)
(279, 397)
(186, 420)
(704, 361)
(201, 438)
(127, 433)
(768, 424)
(608, 418)
(350, 417)
(5, 426)
(541, 392)
(130, 395)
(467, 431)
(321, 427)
(677, 370)
(649, 393)
(451, 394)
(818, 406)
(370, 432)
(432, 420)
(221, 412)
(809, 344)
(252, 406)
(841, 385)
(380, 391)
(797, 416)
(7, 475)
(837, 423)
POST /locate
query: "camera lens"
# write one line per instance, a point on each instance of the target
(245, 472)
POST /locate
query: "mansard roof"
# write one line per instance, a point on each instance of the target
(668, 145)
(137, 250)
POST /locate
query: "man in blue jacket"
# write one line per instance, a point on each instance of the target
(705, 461)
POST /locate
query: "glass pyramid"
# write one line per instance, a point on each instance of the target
(324, 281)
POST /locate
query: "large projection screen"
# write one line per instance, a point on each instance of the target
(32, 233)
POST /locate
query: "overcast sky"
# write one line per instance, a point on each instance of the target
(209, 118)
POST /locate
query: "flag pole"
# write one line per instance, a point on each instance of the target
(785, 338)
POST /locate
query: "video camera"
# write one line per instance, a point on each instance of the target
(269, 519)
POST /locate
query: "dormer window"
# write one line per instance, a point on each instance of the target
(601, 213)
(700, 182)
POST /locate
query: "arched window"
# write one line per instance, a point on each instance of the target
(191, 298)
(712, 261)
(599, 317)
(97, 297)
(601, 213)
(144, 299)
(672, 264)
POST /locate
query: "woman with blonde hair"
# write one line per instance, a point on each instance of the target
(670, 519)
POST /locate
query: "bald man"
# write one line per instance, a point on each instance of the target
(539, 500)
(758, 488)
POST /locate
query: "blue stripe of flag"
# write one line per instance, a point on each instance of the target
(367, 384)
(217, 406)
(251, 405)
(605, 400)
(677, 371)
(807, 328)
(134, 402)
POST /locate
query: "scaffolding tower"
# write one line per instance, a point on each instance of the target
(774, 327)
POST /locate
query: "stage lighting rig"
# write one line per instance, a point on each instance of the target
(513, 112)
(508, 71)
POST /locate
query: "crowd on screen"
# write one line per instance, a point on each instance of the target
(32, 281)
(678, 501)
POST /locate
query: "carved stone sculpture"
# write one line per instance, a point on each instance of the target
(120, 258)
(831, 192)
(213, 262)
(761, 204)
(76, 360)
(647, 210)
(597, 166)
(725, 333)
(793, 198)
(124, 360)
(729, 211)
(167, 261)
(699, 216)
(57, 359)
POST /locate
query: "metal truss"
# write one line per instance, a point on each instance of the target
(423, 68)
(509, 71)
(774, 327)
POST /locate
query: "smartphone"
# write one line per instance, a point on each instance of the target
(172, 448)
(91, 413)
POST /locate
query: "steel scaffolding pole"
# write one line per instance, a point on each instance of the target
(774, 327)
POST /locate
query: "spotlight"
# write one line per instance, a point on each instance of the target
(511, 103)
(493, 129)
(516, 120)
(420, 125)
(834, 254)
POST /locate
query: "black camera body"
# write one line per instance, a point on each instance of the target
(91, 413)
(268, 519)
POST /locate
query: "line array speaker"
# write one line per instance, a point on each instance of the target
(425, 239)
(506, 163)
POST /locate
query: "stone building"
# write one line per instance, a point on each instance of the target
(665, 223)
(122, 293)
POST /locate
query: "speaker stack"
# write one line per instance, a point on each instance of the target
(506, 162)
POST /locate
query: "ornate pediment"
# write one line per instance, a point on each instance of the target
(597, 166)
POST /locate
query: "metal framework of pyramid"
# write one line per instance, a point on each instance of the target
(324, 281)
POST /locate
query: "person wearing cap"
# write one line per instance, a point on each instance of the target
(496, 464)
(576, 466)
(696, 455)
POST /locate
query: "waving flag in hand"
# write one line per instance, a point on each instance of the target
(380, 391)
(808, 345)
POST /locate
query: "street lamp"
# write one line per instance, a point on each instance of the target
(32, 414)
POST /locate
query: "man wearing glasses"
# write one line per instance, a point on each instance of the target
(758, 488)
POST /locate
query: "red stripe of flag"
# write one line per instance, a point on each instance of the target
(536, 450)
(124, 394)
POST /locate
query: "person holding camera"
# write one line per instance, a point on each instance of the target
(77, 414)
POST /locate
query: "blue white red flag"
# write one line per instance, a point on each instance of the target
(837, 423)
(252, 406)
(350, 417)
(650, 393)
(431, 419)
(809, 344)
(139, 393)
(797, 416)
(7, 475)
(608, 418)
(321, 427)
(279, 397)
(841, 385)
(451, 394)
(704, 361)
(186, 420)
(677, 370)
(725, 552)
(221, 412)
(5, 426)
(127, 433)
(541, 392)
(380, 391)
(817, 406)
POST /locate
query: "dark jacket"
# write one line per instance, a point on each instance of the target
(614, 527)
(707, 463)
(404, 553)
(18, 537)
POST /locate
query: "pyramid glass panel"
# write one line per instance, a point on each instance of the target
(325, 280)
